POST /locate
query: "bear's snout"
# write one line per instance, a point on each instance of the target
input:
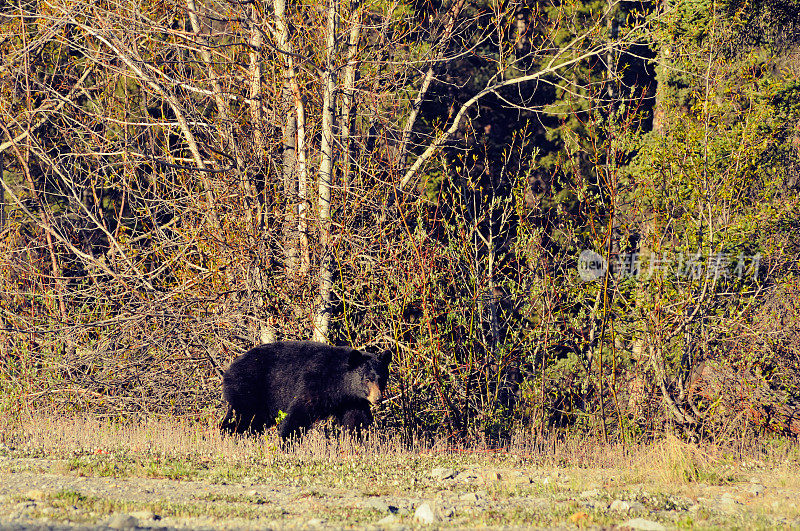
(374, 393)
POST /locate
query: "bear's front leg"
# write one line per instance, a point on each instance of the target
(260, 421)
(297, 419)
(355, 419)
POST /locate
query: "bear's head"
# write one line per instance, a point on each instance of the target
(368, 373)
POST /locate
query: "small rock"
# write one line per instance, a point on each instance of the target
(643, 525)
(378, 504)
(627, 506)
(443, 473)
(756, 489)
(636, 507)
(728, 502)
(315, 522)
(386, 520)
(35, 495)
(144, 515)
(424, 514)
(619, 505)
(122, 521)
(593, 493)
(469, 497)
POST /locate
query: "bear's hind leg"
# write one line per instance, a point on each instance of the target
(233, 422)
(228, 423)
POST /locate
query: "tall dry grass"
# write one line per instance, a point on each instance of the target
(669, 459)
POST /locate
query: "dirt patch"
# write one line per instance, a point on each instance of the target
(164, 474)
(57, 493)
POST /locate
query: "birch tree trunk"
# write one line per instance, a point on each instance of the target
(348, 92)
(294, 138)
(663, 56)
(256, 113)
(266, 331)
(289, 163)
(322, 312)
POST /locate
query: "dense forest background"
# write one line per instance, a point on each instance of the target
(577, 215)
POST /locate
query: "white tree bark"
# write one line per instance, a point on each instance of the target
(348, 89)
(285, 47)
(322, 312)
(256, 112)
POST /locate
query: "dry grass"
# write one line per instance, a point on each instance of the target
(668, 459)
(675, 461)
(339, 475)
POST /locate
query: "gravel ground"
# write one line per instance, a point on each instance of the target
(46, 493)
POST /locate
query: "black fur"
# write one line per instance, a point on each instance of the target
(305, 380)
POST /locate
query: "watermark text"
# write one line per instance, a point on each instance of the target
(592, 265)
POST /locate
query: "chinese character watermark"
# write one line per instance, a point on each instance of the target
(693, 266)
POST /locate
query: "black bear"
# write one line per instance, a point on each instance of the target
(302, 382)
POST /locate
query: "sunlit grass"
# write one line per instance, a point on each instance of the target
(175, 448)
(665, 475)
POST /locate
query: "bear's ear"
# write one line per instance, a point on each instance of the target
(385, 358)
(355, 359)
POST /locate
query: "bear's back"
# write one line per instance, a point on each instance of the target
(278, 372)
